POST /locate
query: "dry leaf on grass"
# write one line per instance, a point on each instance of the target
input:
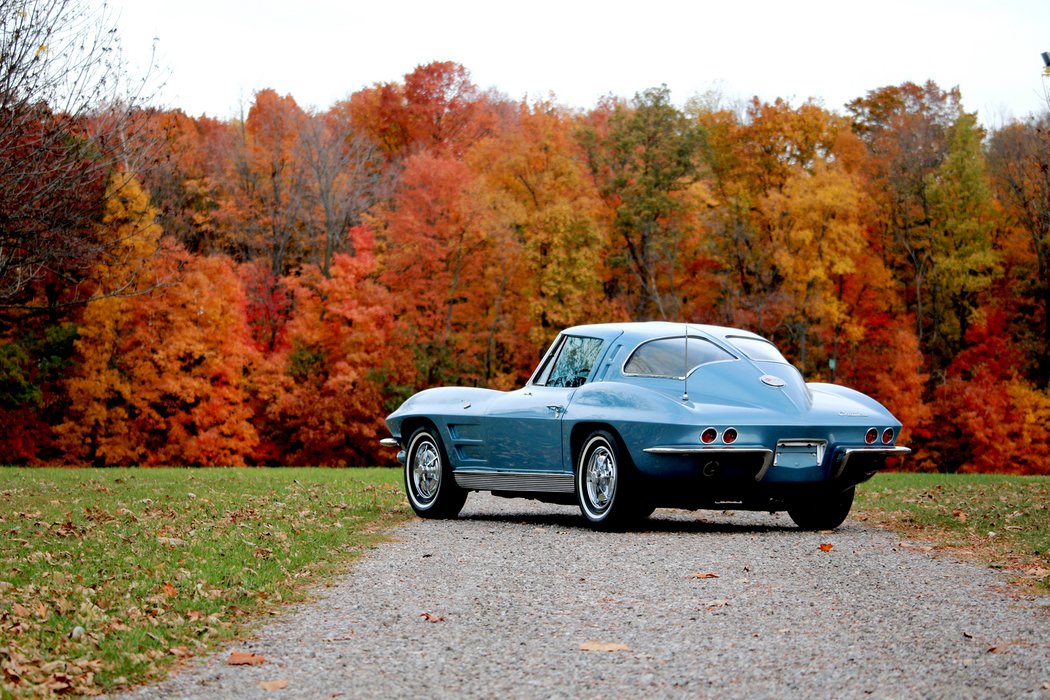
(604, 646)
(244, 658)
(273, 685)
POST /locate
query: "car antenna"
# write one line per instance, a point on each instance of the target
(685, 366)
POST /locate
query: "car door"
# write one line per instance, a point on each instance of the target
(523, 428)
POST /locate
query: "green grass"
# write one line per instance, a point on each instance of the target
(1002, 521)
(107, 577)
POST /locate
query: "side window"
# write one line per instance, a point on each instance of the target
(574, 362)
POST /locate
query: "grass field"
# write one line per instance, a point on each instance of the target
(108, 577)
(1000, 521)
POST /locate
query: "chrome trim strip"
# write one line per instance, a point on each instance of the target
(849, 451)
(389, 442)
(546, 482)
(767, 454)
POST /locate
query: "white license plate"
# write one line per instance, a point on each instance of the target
(799, 453)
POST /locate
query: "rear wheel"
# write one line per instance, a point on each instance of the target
(602, 483)
(825, 511)
(431, 488)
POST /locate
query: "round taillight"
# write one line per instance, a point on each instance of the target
(708, 436)
(729, 436)
(871, 436)
(887, 435)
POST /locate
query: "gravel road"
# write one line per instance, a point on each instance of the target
(501, 603)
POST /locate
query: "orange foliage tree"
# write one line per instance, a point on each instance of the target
(161, 377)
(538, 187)
(435, 257)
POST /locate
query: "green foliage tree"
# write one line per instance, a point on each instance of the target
(645, 160)
(962, 261)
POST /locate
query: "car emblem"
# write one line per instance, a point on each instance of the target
(770, 380)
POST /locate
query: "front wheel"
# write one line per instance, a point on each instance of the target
(431, 488)
(601, 473)
(825, 511)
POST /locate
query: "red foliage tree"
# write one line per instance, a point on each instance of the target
(324, 397)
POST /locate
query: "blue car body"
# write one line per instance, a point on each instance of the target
(706, 418)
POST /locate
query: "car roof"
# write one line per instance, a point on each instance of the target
(638, 331)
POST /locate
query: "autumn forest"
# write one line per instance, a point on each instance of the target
(263, 290)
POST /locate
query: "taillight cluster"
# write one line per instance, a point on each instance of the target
(709, 435)
(872, 436)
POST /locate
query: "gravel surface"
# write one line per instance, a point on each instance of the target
(501, 602)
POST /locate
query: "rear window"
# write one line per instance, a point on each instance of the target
(666, 357)
(757, 349)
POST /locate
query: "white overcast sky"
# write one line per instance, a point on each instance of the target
(217, 53)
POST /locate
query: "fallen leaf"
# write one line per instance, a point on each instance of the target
(170, 590)
(604, 646)
(273, 685)
(715, 604)
(244, 658)
(171, 541)
(959, 515)
(703, 574)
(826, 547)
(430, 617)
(20, 610)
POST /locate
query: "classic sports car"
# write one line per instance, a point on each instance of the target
(627, 417)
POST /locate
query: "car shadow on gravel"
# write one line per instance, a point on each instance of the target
(697, 524)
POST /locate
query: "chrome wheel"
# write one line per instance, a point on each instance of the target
(426, 471)
(599, 480)
(431, 488)
(601, 477)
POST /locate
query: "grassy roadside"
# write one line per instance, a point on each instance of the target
(107, 577)
(1001, 521)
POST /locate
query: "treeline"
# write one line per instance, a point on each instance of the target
(263, 290)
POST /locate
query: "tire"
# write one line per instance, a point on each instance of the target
(603, 478)
(823, 512)
(431, 488)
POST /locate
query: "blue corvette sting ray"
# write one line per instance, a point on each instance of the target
(623, 418)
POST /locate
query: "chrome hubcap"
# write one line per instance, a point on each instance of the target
(601, 477)
(426, 471)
